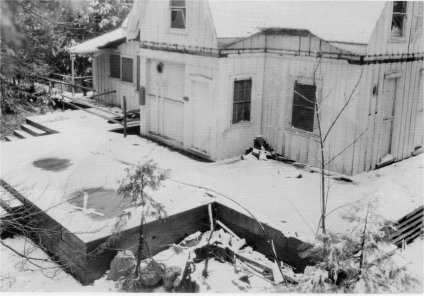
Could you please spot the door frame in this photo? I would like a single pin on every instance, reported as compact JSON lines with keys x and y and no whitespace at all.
{"x":395,"y":76}
{"x":208,"y":81}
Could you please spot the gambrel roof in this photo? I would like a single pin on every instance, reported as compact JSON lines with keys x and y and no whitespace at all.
{"x":347,"y":25}
{"x":333,"y":21}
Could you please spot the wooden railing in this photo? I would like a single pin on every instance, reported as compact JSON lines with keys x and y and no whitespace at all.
{"x":86,"y":104}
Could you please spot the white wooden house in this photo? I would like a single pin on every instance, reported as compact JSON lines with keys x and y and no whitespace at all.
{"x":208,"y":76}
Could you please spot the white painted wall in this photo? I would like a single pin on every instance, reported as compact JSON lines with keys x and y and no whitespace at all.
{"x":234,"y":139}
{"x":412,"y":42}
{"x":155,"y":25}
{"x":104,"y":83}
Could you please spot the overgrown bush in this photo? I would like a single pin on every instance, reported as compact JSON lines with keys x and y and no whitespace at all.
{"x":359,"y":261}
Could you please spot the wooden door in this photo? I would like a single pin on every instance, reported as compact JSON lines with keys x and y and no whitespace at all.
{"x":388,"y":112}
{"x":166,"y":105}
{"x":200,"y":101}
{"x":419,"y":125}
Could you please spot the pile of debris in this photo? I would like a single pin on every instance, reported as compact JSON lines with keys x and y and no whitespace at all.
{"x":261,"y":150}
{"x":194,"y":264}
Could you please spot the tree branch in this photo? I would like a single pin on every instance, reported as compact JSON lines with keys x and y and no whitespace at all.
{"x":344,"y":106}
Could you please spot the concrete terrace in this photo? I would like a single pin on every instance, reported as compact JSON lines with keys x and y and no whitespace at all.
{"x":96,"y":158}
{"x":52,"y":171}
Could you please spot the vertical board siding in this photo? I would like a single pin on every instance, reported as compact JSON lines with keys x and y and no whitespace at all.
{"x":234,"y":139}
{"x":380,"y":42}
{"x":155,"y":26}
{"x":338,"y":79}
{"x":106,"y":83}
{"x":360,"y":121}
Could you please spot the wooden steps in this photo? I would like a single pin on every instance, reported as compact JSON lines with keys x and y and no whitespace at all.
{"x":28,"y":130}
{"x":11,"y":138}
{"x":36,"y":132}
{"x":22,"y":134}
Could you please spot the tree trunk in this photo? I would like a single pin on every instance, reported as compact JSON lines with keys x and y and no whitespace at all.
{"x":140,"y":247}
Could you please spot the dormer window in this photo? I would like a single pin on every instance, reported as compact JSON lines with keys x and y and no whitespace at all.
{"x":178,"y":14}
{"x":398,"y":19}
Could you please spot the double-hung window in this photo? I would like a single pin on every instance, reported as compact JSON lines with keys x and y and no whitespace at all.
{"x":398,"y":19}
{"x":303,"y":110}
{"x":242,"y":100}
{"x":115,"y":65}
{"x":127,"y":69}
{"x":178,"y":14}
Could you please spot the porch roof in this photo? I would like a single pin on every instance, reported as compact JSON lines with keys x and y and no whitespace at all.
{"x":102,"y":41}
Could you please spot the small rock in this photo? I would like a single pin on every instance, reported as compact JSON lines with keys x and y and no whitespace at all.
{"x":152,"y":273}
{"x":171,"y":274}
{"x":176,"y":282}
{"x":122,"y":265}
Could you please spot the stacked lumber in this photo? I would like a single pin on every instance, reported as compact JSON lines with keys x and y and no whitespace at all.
{"x":408,"y":227}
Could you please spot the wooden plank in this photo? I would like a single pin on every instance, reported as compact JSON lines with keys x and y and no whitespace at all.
{"x":373,"y":70}
{"x":382,"y":68}
{"x":158,"y":234}
{"x":405,"y":109}
{"x":244,"y":226}
{"x":406,"y":235}
{"x":403,"y":137}
{"x":415,"y":84}
{"x":227,"y":229}
{"x":399,"y":109}
{"x":365,"y":91}
{"x":409,"y":215}
{"x":405,"y":227}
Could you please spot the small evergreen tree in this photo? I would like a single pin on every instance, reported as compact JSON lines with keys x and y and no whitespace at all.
{"x":139,"y":178}
{"x":357,"y":261}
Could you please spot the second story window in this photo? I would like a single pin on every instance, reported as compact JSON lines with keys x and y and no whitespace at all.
{"x":178,"y":14}
{"x":398,"y":19}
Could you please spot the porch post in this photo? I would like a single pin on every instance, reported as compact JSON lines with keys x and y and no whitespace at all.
{"x":73,"y":73}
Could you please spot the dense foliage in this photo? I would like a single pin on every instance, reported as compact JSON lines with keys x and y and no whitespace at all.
{"x":359,"y":261}
{"x":37,"y":35}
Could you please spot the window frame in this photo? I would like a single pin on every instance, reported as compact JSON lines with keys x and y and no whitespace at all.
{"x":132,"y":68}
{"x":171,"y":9}
{"x":296,"y":82}
{"x":290,"y":98}
{"x":232,"y":85}
{"x":404,"y":15}
{"x":110,"y":65}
